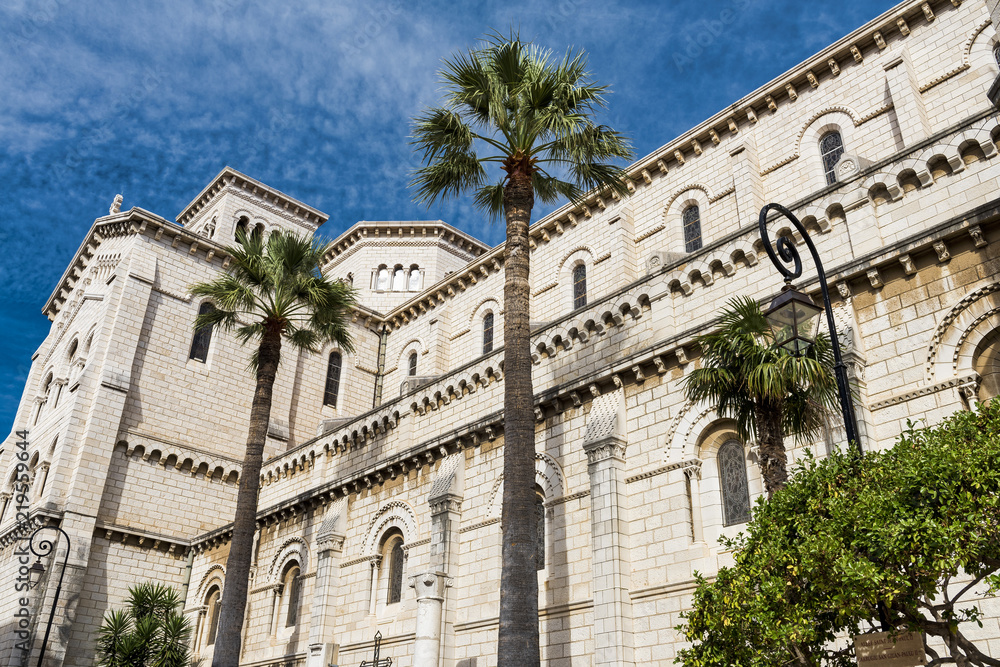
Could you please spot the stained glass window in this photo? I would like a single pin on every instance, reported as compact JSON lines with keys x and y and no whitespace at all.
{"x":293,"y":589}
{"x":539,"y":531}
{"x":692,"y":228}
{"x":213,"y":615}
{"x":831,"y":147}
{"x":413,"y":364}
{"x":395,"y":572}
{"x":488,"y":333}
{"x":332,"y":389}
{"x":733,"y":479}
{"x":202,"y":336}
{"x":579,"y":286}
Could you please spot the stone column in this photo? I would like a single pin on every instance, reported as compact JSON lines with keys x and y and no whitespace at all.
{"x":610,"y":560}
{"x":693,"y":472}
{"x":430,"y":589}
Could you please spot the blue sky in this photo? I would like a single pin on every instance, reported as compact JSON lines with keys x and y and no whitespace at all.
{"x":152,"y":99}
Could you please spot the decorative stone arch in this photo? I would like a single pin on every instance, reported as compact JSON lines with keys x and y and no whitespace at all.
{"x":581,"y":255}
{"x":394,"y":514}
{"x":682,"y":436}
{"x":413,"y":345}
{"x":548,"y":476}
{"x":951,"y":348}
{"x":294,"y":548}
{"x":253,"y":221}
{"x":348,"y":361}
{"x":486,"y":305}
{"x":977,"y":50}
{"x":693,"y":194}
{"x":710,"y":518}
{"x":215,"y":575}
{"x":841,"y":119}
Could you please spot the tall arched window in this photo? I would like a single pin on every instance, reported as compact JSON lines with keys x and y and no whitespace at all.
{"x":392,"y":555}
{"x":579,"y":286}
{"x":488,"y":333}
{"x":242,"y":227}
{"x":212,"y":601}
{"x":414,"y":278}
{"x":831,"y":147}
{"x":382,"y":282}
{"x":413,"y":364}
{"x":398,"y":279}
{"x":290,"y":594}
{"x":733,"y":481}
{"x":332,"y":389}
{"x":692,"y":228}
{"x":539,"y":529}
{"x":202,"y":336}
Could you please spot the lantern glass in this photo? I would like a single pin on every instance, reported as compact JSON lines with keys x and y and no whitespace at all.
{"x":35,"y":573}
{"x":794,"y":320}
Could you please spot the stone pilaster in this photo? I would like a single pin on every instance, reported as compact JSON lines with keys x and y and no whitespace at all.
{"x":435,"y":609}
{"x":322,"y":626}
{"x":610,"y":560}
{"x":911,"y":117}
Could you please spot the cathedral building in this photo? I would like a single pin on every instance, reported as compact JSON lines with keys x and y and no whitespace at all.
{"x":380,"y":500}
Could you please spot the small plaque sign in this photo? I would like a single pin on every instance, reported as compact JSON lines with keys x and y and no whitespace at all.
{"x":878,"y":650}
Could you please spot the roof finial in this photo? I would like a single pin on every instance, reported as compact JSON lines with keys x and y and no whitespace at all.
{"x":116,"y":205}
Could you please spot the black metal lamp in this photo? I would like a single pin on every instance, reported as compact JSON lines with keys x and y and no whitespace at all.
{"x":35,"y":573}
{"x":794,"y":320}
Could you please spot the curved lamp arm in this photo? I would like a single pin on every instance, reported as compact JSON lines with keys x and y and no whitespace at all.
{"x":786,"y":254}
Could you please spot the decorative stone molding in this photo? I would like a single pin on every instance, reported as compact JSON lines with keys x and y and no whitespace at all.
{"x":607,"y":448}
{"x":971,"y":378}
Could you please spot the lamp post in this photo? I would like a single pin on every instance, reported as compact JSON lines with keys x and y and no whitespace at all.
{"x":794,"y":317}
{"x":46,"y":547}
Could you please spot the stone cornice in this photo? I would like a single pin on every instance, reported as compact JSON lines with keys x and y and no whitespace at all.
{"x":367,"y":231}
{"x":229,"y":177}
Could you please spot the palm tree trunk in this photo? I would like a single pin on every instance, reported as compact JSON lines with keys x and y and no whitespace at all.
{"x":771,"y":436}
{"x":518,"y":640}
{"x":234,"y":598}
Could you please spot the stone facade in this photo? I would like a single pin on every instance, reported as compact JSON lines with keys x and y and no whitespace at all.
{"x":134,"y":448}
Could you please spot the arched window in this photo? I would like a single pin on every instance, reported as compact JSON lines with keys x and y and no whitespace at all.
{"x":332,"y":389}
{"x":382,"y":282}
{"x":413,"y":364}
{"x":488,"y":333}
{"x":539,"y":529}
{"x":350,"y":279}
{"x":72,"y":349}
{"x":831,"y":147}
{"x":392,"y":558}
{"x":398,"y":279}
{"x":202,"y":336}
{"x":290,"y":594}
{"x":414,"y":278}
{"x":212,"y":601}
{"x":733,"y":481}
{"x":996,"y":54}
{"x":579,"y":286}
{"x":692,"y":228}
{"x":242,"y":227}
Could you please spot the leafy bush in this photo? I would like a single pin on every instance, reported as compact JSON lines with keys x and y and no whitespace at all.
{"x":898,"y":539}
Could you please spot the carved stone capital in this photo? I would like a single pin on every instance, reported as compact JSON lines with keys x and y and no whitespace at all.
{"x":692,"y":469}
{"x":448,"y":502}
{"x":330,"y":542}
{"x":430,"y":585}
{"x":611,"y":447}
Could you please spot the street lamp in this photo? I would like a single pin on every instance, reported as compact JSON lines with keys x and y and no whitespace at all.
{"x":793,"y":316}
{"x":46,"y":547}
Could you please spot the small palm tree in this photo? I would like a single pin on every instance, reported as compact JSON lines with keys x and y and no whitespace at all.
{"x":513,"y":105}
{"x":274,"y":292}
{"x":148,"y":633}
{"x":768,"y":392}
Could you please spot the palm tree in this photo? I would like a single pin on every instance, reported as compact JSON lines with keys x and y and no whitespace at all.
{"x":273,"y":292}
{"x":766,"y":390}
{"x":514,"y":105}
{"x":148,"y":633}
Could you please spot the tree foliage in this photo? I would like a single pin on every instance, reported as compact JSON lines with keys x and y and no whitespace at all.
{"x":768,"y":392}
{"x":907,"y":538}
{"x":149,"y":632}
